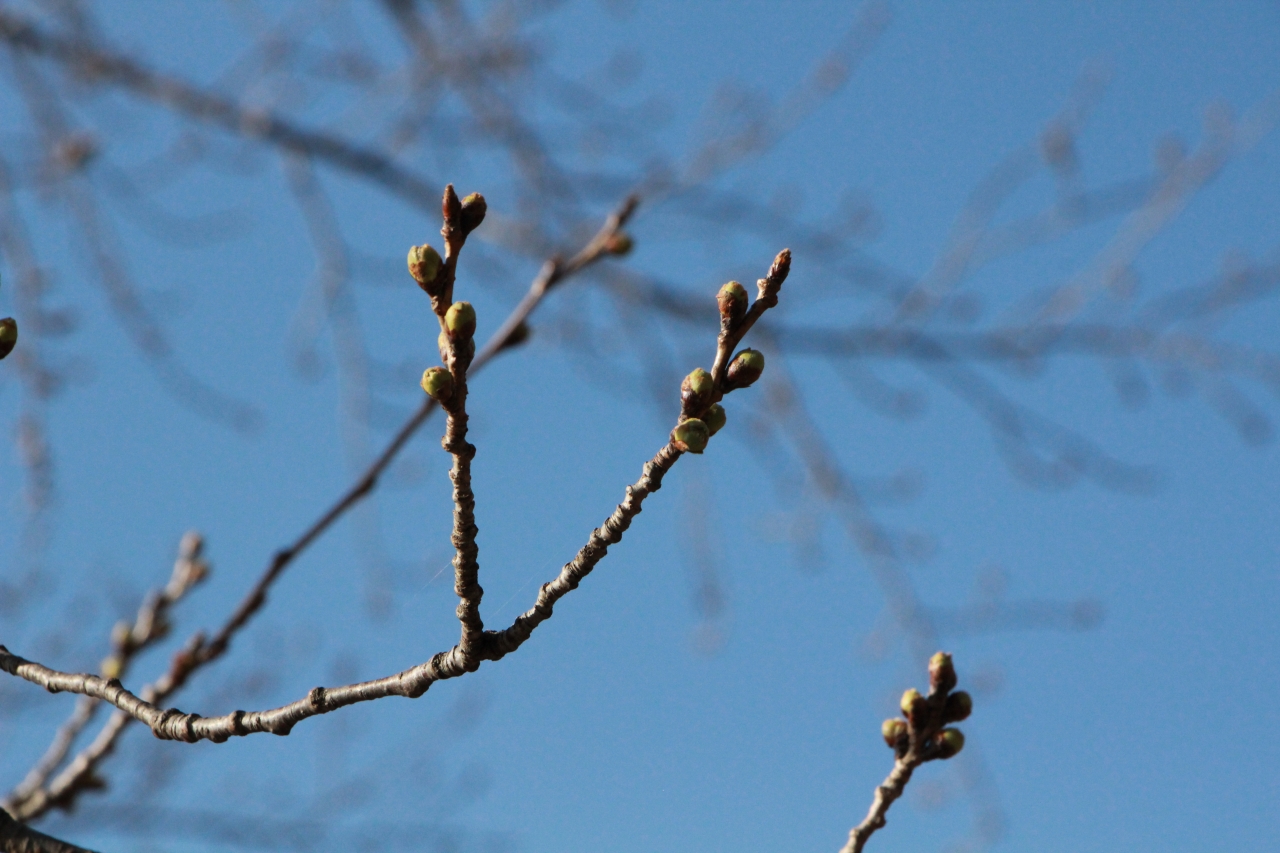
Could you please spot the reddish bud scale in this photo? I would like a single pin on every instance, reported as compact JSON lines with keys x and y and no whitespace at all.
{"x":619,"y":243}
{"x":450,"y":207}
{"x":460,"y":321}
{"x":715,"y":418}
{"x":746,"y":367}
{"x":696,"y":391}
{"x":949,"y":742}
{"x":893,"y":731}
{"x":959,"y":706}
{"x":472,"y":212}
{"x":942,"y":673}
{"x":732,"y":300}
{"x":8,"y":335}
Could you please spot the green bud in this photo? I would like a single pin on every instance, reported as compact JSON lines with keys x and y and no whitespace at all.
{"x":438,"y":383}
{"x":913,"y":705}
{"x":121,"y":634}
{"x":110,"y":667}
{"x":424,"y":265}
{"x":893,"y":730}
{"x":942,"y":674}
{"x":460,"y":321}
{"x":950,"y":742}
{"x":8,"y":335}
{"x":474,"y":207}
{"x":959,"y":706}
{"x":690,"y":436}
{"x":619,"y":243}
{"x":715,"y":418}
{"x":696,"y":390}
{"x":745,"y":368}
{"x":732,"y":300}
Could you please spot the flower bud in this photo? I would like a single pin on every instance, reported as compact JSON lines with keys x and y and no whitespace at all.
{"x":959,"y":706}
{"x":732,"y":300}
{"x":474,"y":207}
{"x":914,"y":706}
{"x":690,"y":436}
{"x":714,"y":418}
{"x":950,"y":742}
{"x":8,"y":335}
{"x":460,"y":321}
{"x":942,"y":674}
{"x":745,"y":368}
{"x":619,"y":243}
{"x":438,"y":383}
{"x":696,"y":390}
{"x":424,"y":265}
{"x":122,"y":634}
{"x":893,"y":730}
{"x":518,"y":335}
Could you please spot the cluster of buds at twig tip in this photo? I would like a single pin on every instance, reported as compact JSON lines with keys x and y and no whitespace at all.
{"x":920,"y":734}
{"x":424,"y":266}
{"x":8,"y":335}
{"x":461,"y":216}
{"x":745,"y":369}
{"x":438,"y":383}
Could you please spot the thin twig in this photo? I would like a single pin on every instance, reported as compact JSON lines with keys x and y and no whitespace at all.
{"x":19,"y":838}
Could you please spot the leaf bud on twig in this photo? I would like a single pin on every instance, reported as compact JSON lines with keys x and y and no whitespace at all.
{"x":474,"y":207}
{"x":619,"y":243}
{"x":424,"y":266}
{"x":460,"y":321}
{"x":745,"y":368}
{"x":893,"y":730}
{"x":438,"y":383}
{"x":942,"y":673}
{"x":8,"y":335}
{"x":732,"y":300}
{"x":696,"y":390}
{"x":715,"y":418}
{"x":451,"y":208}
{"x":690,"y":436}
{"x":950,"y":742}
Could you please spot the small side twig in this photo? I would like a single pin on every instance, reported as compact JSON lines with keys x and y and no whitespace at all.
{"x":127,"y":640}
{"x":918,"y":736}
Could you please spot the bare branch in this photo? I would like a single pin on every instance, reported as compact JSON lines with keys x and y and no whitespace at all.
{"x":19,"y":838}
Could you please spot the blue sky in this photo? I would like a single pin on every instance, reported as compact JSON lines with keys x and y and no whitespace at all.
{"x":612,"y":729}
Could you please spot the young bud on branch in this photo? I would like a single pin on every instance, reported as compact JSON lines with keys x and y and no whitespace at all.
{"x":451,"y":208}
{"x":959,"y":706}
{"x":460,"y":321}
{"x":732,"y":300}
{"x":696,"y":391}
{"x":715,"y":418}
{"x":914,"y":707}
{"x":690,"y":436}
{"x":424,"y":266}
{"x":745,"y":368}
{"x":472,"y":212}
{"x":942,"y":674}
{"x":438,"y":383}
{"x":950,"y":742}
{"x":893,"y":731}
{"x":8,"y":335}
{"x":619,"y":243}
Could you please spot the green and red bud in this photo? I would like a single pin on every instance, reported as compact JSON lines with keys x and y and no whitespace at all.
{"x":893,"y":731}
{"x":914,"y":706}
{"x":942,"y":673}
{"x":474,"y":207}
{"x":690,"y":436}
{"x":732,"y":300}
{"x":438,"y":383}
{"x":715,"y":418}
{"x":460,"y":321}
{"x":959,"y":706}
{"x":745,"y":369}
{"x":696,"y":390}
{"x":949,"y":742}
{"x":424,"y":266}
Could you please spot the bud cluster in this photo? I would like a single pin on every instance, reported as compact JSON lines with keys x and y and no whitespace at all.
{"x":919,"y":735}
